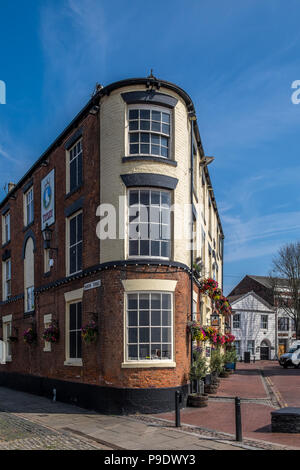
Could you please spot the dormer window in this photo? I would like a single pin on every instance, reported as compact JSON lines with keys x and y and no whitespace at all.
{"x":149,"y":131}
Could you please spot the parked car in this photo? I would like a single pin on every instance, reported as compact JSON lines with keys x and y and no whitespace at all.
{"x":290,"y":359}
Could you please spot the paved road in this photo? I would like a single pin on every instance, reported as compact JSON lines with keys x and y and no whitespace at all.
{"x":285,"y":381}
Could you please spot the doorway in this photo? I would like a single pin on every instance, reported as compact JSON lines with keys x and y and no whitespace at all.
{"x":264,"y":351}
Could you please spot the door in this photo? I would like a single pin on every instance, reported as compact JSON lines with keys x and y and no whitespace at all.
{"x":281,"y":349}
{"x":264,"y":353}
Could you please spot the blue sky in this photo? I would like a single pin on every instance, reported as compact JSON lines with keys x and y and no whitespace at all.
{"x":237,"y":60}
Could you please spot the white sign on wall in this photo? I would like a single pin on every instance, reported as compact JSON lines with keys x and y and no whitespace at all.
{"x":48,"y":199}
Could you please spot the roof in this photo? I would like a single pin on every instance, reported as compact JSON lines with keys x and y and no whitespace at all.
{"x":266,"y":282}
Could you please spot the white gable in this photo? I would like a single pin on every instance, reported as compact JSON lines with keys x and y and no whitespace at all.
{"x":251,"y":303}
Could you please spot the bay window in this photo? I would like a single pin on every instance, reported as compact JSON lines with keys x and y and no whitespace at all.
{"x":149,"y":326}
{"x":149,"y":131}
{"x":149,"y":223}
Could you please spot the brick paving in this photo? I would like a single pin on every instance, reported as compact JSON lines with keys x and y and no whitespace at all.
{"x":261,"y":387}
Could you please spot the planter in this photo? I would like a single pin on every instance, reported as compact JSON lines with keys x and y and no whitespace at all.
{"x":197,"y":400}
{"x":211,"y":389}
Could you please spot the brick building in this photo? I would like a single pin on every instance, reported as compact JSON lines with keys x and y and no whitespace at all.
{"x":135,"y":144}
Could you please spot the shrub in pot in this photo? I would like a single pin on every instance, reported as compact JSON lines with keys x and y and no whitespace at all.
{"x":197,"y":373}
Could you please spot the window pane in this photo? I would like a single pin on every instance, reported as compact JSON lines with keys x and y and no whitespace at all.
{"x":145,"y":148}
{"x":166,"y":301}
{"x":73,"y":172}
{"x":145,"y":125}
{"x":155,"y":150}
{"x":155,"y":139}
{"x":134,"y":148}
{"x":133,"y":125}
{"x":133,"y":335}
{"x":166,"y":351}
{"x":144,"y":318}
{"x":166,"y":335}
{"x":144,"y":335}
{"x":144,"y":351}
{"x":133,"y":247}
{"x":165,"y":129}
{"x":155,"y":246}
{"x":155,"y":317}
{"x":134,"y":137}
{"x":144,"y":114}
{"x":166,"y":118}
{"x":133,"y":114}
{"x":73,"y":231}
{"x":166,"y":317}
{"x":73,"y":344}
{"x":144,"y":301}
{"x":155,"y":335}
{"x":155,"y":301}
{"x":79,"y":340}
{"x":132,"y":352}
{"x":155,"y":351}
{"x":144,"y":247}
{"x":155,"y":197}
{"x":132,"y":301}
{"x":144,"y":198}
{"x":156,"y":116}
{"x":133,"y":197}
{"x":132,"y":318}
{"x":145,"y":137}
{"x":155,"y":126}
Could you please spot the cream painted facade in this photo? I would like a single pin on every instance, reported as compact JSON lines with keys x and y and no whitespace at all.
{"x":114,"y":146}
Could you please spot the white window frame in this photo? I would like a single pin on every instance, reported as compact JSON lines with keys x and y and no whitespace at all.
{"x":251,"y":349}
{"x":264,"y":321}
{"x":68,"y":246}
{"x":29,"y":299}
{"x":148,"y":362}
{"x":234,"y":327}
{"x":160,"y":206}
{"x":161,"y":109}
{"x":29,"y":207}
{"x":7,"y":325}
{"x":6,"y":228}
{"x":68,"y":165}
{"x":47,"y":323}
{"x":7,"y":279}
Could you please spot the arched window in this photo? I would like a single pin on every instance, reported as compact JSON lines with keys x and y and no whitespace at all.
{"x":29,"y":275}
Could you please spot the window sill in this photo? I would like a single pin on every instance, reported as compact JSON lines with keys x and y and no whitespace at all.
{"x":149,"y":158}
{"x":73,"y":362}
{"x":148,"y":364}
{"x":74,"y":190}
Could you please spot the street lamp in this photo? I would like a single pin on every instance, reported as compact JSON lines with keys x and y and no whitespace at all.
{"x":47,"y":237}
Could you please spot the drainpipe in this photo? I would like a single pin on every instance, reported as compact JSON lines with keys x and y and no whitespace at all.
{"x":192,"y":118}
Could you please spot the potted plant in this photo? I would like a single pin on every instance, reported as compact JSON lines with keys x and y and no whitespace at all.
{"x":197,"y":373}
{"x":89,"y":332}
{"x":230,"y":359}
{"x":51,"y":333}
{"x":216,"y":367}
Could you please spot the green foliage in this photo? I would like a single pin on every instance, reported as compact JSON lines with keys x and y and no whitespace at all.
{"x":199,"y":366}
{"x":230,"y":356}
{"x":216,"y":361}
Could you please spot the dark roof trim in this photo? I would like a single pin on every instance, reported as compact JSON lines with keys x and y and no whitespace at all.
{"x":73,"y":139}
{"x":28,"y":186}
{"x":6,"y":209}
{"x":149,"y":97}
{"x":149,"y":180}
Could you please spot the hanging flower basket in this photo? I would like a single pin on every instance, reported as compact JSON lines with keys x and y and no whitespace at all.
{"x":51,"y":334}
{"x":197,"y":331}
{"x":208,"y":287}
{"x":223,"y":305}
{"x":89,"y":332}
{"x":30,"y":336}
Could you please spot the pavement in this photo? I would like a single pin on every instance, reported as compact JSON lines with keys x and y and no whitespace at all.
{"x":263,"y":387}
{"x":32,"y":422}
{"x":29,"y":422}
